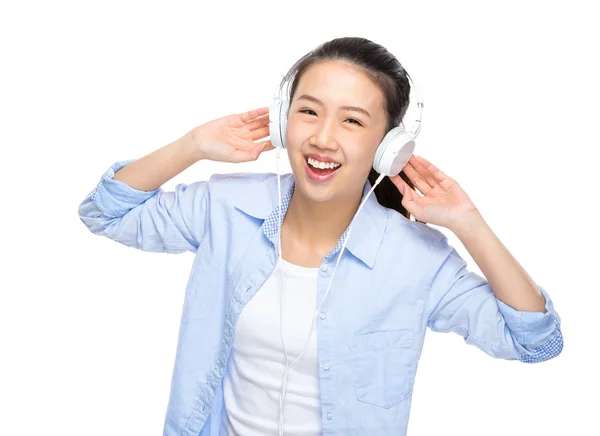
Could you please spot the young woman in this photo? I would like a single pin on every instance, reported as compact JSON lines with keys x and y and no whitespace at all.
{"x":396,"y":278}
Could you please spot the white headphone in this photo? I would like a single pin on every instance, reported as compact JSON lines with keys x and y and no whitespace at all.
{"x":392,"y":154}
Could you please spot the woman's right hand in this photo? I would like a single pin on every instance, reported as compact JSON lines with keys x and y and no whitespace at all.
{"x":231,"y":138}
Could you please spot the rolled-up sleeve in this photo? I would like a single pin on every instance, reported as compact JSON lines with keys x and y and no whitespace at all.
{"x":159,"y":221}
{"x":463,"y":302}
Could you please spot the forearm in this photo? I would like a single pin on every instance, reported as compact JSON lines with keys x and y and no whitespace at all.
{"x":509,"y":281}
{"x":153,"y":170}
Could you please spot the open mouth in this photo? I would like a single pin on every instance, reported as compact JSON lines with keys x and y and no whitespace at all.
{"x":321,"y":171}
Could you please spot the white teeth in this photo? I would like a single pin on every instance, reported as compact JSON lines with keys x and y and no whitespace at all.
{"x":322,"y":165}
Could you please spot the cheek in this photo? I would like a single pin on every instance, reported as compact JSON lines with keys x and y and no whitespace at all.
{"x":293,"y":135}
{"x":358,"y":155}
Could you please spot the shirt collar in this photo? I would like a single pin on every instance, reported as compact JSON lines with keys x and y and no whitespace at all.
{"x":367,"y":230}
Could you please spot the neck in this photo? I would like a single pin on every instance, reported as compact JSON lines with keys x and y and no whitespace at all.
{"x":319,"y":225}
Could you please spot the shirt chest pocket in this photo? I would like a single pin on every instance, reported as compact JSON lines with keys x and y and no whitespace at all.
{"x":383,"y":366}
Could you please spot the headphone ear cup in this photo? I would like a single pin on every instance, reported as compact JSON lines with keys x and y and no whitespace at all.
{"x":283,"y":120}
{"x":394,"y":152}
{"x":278,"y":122}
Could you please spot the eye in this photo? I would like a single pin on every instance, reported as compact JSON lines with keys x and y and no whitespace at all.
{"x":306,"y":111}
{"x":355,"y":121}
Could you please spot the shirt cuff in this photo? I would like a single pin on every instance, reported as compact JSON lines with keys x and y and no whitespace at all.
{"x":115,"y":198}
{"x":531,"y":328}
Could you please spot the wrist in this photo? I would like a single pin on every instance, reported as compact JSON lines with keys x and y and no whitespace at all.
{"x":192,"y":144}
{"x":469,"y":224}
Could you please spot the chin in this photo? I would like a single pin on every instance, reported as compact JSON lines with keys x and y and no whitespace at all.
{"x":318,"y":195}
{"x":319,"y":191}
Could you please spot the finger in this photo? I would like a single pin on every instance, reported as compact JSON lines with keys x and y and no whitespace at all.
{"x":249,"y":154}
{"x":400,"y":183}
{"x":420,"y":183}
{"x":268,"y":146}
{"x":263,"y":132}
{"x":258,"y":122}
{"x":438,"y":175}
{"x":250,"y":115}
{"x":408,"y":193}
{"x":423,"y":172}
{"x":261,"y":147}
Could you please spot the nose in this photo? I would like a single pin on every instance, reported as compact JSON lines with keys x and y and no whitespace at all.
{"x":324,"y":136}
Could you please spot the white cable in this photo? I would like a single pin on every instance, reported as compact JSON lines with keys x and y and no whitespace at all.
{"x":280,"y":257}
{"x":415,"y":130}
{"x":288,"y":367}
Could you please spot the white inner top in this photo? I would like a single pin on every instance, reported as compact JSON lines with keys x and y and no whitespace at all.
{"x":253,"y":380}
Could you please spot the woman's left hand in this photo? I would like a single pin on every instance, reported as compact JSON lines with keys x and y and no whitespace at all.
{"x":443,"y":202}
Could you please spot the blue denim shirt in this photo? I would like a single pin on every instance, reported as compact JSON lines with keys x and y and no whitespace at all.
{"x":396,"y":279}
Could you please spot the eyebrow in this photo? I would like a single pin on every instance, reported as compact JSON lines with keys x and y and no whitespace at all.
{"x":347,"y":108}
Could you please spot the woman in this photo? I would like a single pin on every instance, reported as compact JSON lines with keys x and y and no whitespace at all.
{"x":396,"y":277}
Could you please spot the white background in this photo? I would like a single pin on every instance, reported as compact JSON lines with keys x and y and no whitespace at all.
{"x":88,"y":327}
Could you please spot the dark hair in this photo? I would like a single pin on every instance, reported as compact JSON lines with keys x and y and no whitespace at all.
{"x":387,"y":73}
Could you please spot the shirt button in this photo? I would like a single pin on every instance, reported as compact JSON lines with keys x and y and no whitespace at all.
{"x":326,"y":366}
{"x":322,"y":315}
{"x":323,"y":267}
{"x":329,"y":416}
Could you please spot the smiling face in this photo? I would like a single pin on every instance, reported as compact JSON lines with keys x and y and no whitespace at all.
{"x":337,"y":115}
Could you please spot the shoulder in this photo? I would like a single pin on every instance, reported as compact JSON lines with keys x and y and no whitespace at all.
{"x":231,"y":179}
{"x":232,"y":185}
{"x":422,"y":247}
{"x":253,"y":193}
{"x":422,"y":234}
